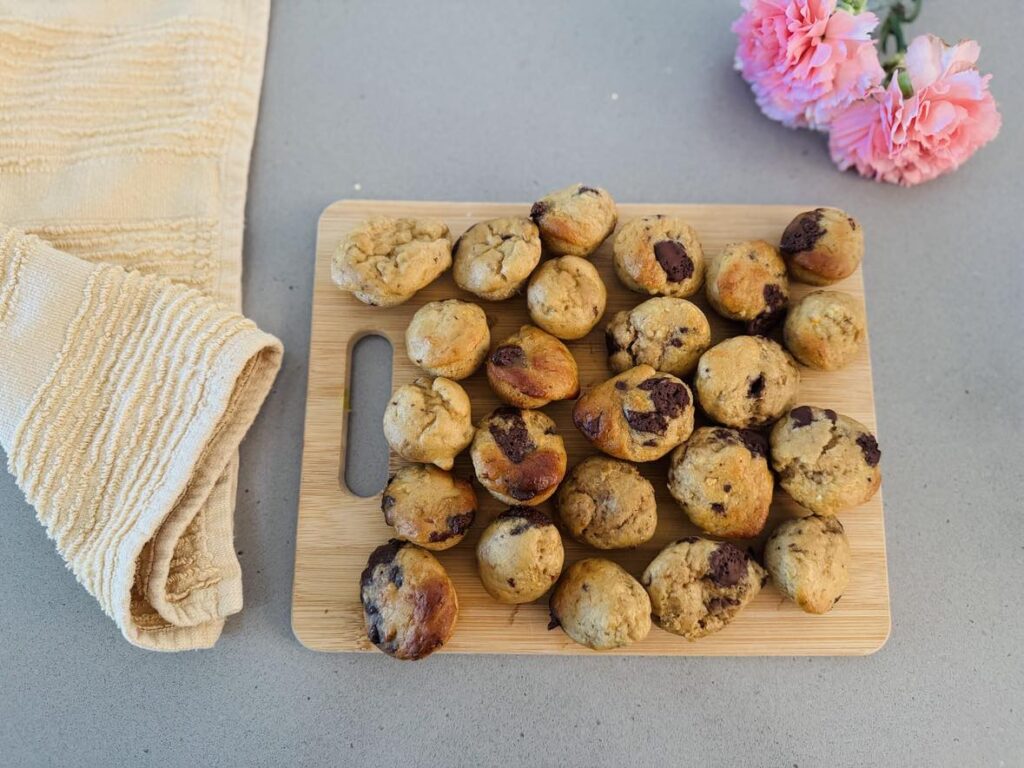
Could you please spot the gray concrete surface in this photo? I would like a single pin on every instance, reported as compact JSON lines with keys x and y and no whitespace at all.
{"x":502,"y":101}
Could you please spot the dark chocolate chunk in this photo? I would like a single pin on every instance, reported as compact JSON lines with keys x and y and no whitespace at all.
{"x":588,"y":424}
{"x":526,"y":517}
{"x":387,"y":503}
{"x":508,"y":429}
{"x":610,"y":343}
{"x":727,"y":487}
{"x":801,"y":416}
{"x":382,"y":555}
{"x":672,"y":257}
{"x":457,"y":525}
{"x":755,"y":442}
{"x":621,"y":386}
{"x":869,"y":447}
{"x":538,"y":210}
{"x":646,"y":421}
{"x":395,"y":575}
{"x":756,"y":388}
{"x":803,"y":232}
{"x":728,"y":565}
{"x":511,"y":583}
{"x":587,"y":191}
{"x":718,"y":508}
{"x":650,"y":443}
{"x":773,"y":296}
{"x":509,"y":355}
{"x":687,"y":540}
{"x":676,"y":343}
{"x":669,"y":397}
{"x":831,"y":415}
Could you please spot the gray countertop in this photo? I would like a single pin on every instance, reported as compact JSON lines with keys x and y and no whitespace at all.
{"x":502,"y":101}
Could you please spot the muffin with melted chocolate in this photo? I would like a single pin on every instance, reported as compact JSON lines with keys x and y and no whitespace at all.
{"x":518,"y":456}
{"x":746,"y":381}
{"x":600,"y":605}
{"x":532,"y":368}
{"x":665,"y":333}
{"x":659,"y":255}
{"x":409,"y":603}
{"x":748,"y":282}
{"x":519,"y":555}
{"x":698,"y":586}
{"x":574,"y":221}
{"x":720,"y":478}
{"x":826,"y":461}
{"x":822,"y":246}
{"x":639,"y":415}
{"x":428,"y":506}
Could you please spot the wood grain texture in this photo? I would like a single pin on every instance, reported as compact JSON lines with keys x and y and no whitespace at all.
{"x":337,"y":529}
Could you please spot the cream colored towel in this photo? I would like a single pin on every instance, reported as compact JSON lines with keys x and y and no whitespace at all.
{"x":125,"y":134}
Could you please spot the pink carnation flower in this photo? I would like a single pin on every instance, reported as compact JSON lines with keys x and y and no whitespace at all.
{"x":804,"y":59}
{"x":907,"y":140}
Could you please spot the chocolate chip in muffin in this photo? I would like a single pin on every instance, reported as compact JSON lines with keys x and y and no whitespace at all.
{"x":869,"y":447}
{"x":538,"y":210}
{"x":509,"y":432}
{"x":457,"y":525}
{"x":528,"y":517}
{"x":802,"y":416}
{"x":756,"y":388}
{"x":718,"y":508}
{"x":803,"y":232}
{"x":387,"y":503}
{"x":672,"y":257}
{"x":727,"y":564}
{"x":646,"y":421}
{"x":621,"y":386}
{"x":669,"y":397}
{"x":755,"y":442}
{"x":509,"y":356}
{"x":385,"y":554}
{"x":587,"y":191}
{"x":611,"y":344}
{"x":588,"y":425}
{"x":831,"y":415}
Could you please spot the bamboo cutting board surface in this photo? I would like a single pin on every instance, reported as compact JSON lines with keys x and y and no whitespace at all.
{"x":337,"y":530}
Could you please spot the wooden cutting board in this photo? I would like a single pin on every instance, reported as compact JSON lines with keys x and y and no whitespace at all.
{"x":337,"y":529}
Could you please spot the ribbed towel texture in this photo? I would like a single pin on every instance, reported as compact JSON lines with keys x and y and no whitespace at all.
{"x":127,"y":376}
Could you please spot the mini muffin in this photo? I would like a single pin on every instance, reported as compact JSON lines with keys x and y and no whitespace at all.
{"x":822,"y":246}
{"x":384,"y":261}
{"x":532,"y":368}
{"x":697,"y":586}
{"x":448,"y":338}
{"x":660,"y":255}
{"x":519,"y":555}
{"x":494,"y":258}
{"x":748,"y":282}
{"x":409,"y":603}
{"x":720,"y":478}
{"x":825,"y":329}
{"x":608,"y":504}
{"x":639,"y":415}
{"x":428,"y":506}
{"x":599,"y":605}
{"x":566,"y":297}
{"x":429,"y":421}
{"x":518,"y":456}
{"x":809,"y":561}
{"x":574,"y":221}
{"x":826,"y":461}
{"x":746,"y":381}
{"x":665,"y":333}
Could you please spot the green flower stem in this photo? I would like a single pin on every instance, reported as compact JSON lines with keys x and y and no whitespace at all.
{"x":891,"y":30}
